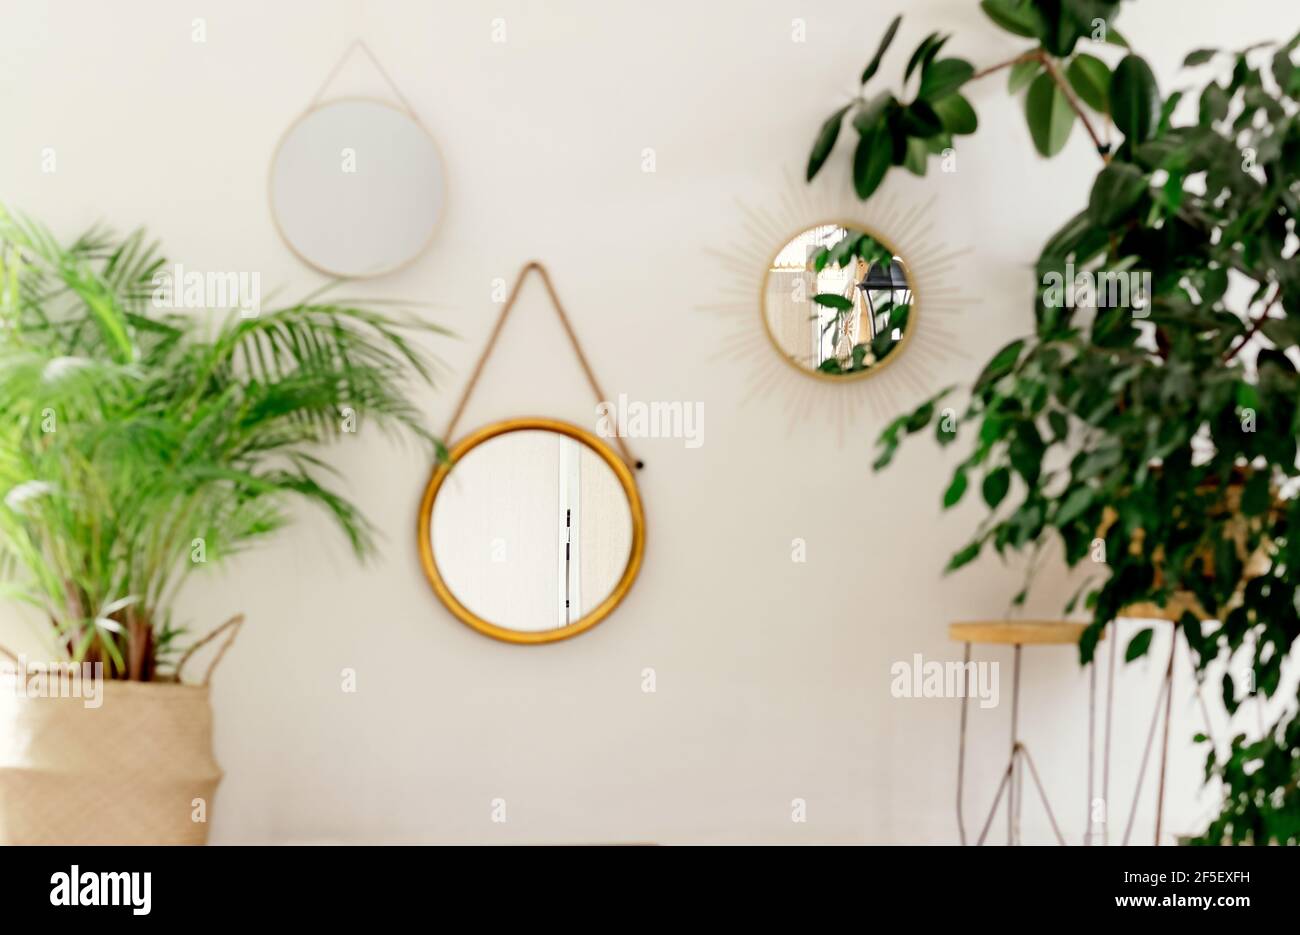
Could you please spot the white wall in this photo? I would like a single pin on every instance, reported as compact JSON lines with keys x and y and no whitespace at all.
{"x":773,"y":677}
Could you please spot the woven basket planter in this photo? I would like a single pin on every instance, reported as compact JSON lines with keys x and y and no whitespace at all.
{"x":126,"y":772}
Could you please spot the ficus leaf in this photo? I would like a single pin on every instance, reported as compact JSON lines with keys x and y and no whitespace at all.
{"x":871,"y":160}
{"x":1213,"y":104}
{"x":826,"y":138}
{"x":1049,"y":115}
{"x":1015,"y":16}
{"x":1134,"y":99}
{"x":944,"y":77}
{"x":920,"y":119}
{"x":1115,"y":37}
{"x":1073,"y":506}
{"x":926,"y":51}
{"x":918,"y":158}
{"x":874,"y":64}
{"x":1117,"y":189}
{"x":1001,"y":363}
{"x":1138,"y":646}
{"x":956,"y":114}
{"x":995,"y":487}
{"x":870,"y":114}
{"x":964,"y":557}
{"x":832,"y":300}
{"x":1090,"y":78}
{"x":1022,"y":73}
{"x":956,"y":489}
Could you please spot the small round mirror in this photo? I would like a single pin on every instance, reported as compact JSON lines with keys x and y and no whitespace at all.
{"x":357,"y":188}
{"x":838,"y":301}
{"x":533,"y":531}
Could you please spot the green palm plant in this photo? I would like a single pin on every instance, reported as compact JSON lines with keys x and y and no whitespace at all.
{"x":139,"y":444}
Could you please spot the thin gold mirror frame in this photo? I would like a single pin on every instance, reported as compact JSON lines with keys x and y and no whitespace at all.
{"x":605,"y":607}
{"x":270,"y":194}
{"x":902,"y":341}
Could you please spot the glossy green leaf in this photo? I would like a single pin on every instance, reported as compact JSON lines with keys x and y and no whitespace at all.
{"x":1116,"y":190}
{"x":1073,"y":506}
{"x":952,"y":496}
{"x":826,"y":138}
{"x":1139,"y":645}
{"x":832,"y":300}
{"x":920,"y":119}
{"x":870,"y":162}
{"x":956,"y":114}
{"x":1214,"y":104}
{"x":1049,"y":115}
{"x":964,"y":557}
{"x":874,"y":64}
{"x":918,"y":157}
{"x":995,"y":487}
{"x":870,"y":114}
{"x":944,"y":77}
{"x":1090,"y":78}
{"x":1015,"y":16}
{"x":1134,"y":99}
{"x":1022,"y":73}
{"x":1001,"y":364}
{"x":924,"y":53}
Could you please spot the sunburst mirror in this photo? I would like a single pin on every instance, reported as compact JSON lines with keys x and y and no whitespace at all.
{"x":837,"y":302}
{"x":823,"y":291}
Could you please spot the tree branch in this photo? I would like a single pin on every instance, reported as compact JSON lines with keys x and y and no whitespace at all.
{"x":1018,"y":60}
{"x":1255,"y":325}
{"x":1054,"y":72}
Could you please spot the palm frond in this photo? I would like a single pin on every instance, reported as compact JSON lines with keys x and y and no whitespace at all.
{"x":136,"y":437}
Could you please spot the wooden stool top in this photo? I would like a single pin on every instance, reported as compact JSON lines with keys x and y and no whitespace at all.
{"x":1017,"y":631}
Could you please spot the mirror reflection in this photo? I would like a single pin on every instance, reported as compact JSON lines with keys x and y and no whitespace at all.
{"x":531,"y":530}
{"x":837,"y":301}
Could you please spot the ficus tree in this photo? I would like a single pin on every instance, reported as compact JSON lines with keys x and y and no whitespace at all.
{"x":1147,"y":425}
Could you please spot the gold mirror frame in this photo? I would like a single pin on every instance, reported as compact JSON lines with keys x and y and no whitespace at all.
{"x":270,"y":192}
{"x":443,"y":470}
{"x":902,"y":342}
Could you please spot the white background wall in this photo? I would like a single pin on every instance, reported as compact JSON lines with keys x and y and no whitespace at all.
{"x":773,"y":677}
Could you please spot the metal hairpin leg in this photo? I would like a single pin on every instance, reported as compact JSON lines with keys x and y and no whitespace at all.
{"x":1110,"y":710}
{"x":1166,"y":694}
{"x":1090,"y":837}
{"x":1012,"y":777}
{"x":961,"y":751}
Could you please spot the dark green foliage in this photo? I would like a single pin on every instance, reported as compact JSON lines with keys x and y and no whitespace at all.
{"x":1150,"y":434}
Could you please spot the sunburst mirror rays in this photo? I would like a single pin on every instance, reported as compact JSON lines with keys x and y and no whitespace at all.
{"x":938,"y":307}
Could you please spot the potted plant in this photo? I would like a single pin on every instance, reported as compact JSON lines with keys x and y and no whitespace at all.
{"x":142,"y":442}
{"x":1164,"y":415}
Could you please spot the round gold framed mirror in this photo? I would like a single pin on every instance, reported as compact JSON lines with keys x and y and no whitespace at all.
{"x":838,"y":302}
{"x":357,"y":188}
{"x":532,"y":531}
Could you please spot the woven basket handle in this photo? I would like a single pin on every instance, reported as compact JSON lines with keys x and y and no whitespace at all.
{"x":233,"y":625}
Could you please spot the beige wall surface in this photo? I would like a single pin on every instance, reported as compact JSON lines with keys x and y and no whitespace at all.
{"x":771,"y":676}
